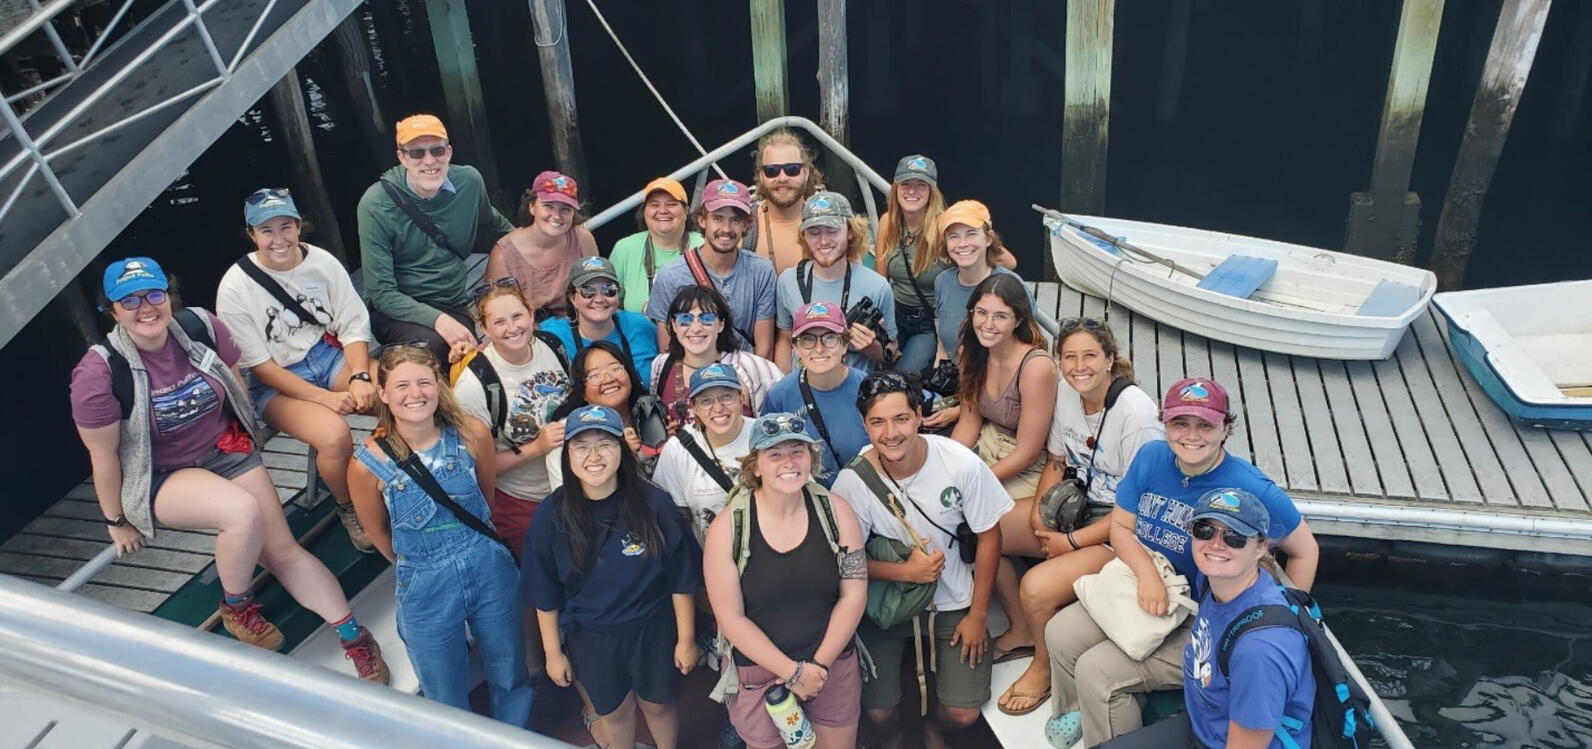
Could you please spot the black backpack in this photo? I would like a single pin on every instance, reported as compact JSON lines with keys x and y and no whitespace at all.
{"x":497,"y":402}
{"x":1341,"y":716}
{"x":197,"y":328}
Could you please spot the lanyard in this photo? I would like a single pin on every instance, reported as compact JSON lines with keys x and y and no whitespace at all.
{"x":805,"y":284}
{"x":817,"y":417}
{"x":624,"y":342}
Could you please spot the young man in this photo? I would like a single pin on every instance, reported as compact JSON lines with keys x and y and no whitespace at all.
{"x":936,"y":485}
{"x":415,"y":286}
{"x":823,"y":391}
{"x":593,"y":298}
{"x":746,"y":280}
{"x":833,"y":240}
{"x":786,"y":177}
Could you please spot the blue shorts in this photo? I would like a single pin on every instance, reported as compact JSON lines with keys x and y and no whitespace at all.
{"x":318,"y":367}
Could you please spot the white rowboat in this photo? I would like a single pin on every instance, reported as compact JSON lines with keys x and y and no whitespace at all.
{"x":1266,"y":295}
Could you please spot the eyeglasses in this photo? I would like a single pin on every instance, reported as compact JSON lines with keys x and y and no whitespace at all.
{"x":264,"y":194}
{"x":615,"y":371}
{"x":591,"y":290}
{"x":726,"y":400}
{"x":773,"y":426}
{"x":582,"y":450}
{"x":979,"y":313}
{"x":684,"y":319}
{"x":481,"y":289}
{"x":883,"y":382}
{"x":1087,"y":323}
{"x":420,"y":153}
{"x":1206,"y":530}
{"x":134,"y":301}
{"x":807,"y":341}
{"x":792,"y":169}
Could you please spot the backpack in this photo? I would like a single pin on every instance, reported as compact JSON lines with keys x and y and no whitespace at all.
{"x":497,"y":403}
{"x":193,"y":324}
{"x":1341,"y":716}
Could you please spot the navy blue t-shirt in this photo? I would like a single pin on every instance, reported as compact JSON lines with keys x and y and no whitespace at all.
{"x":626,"y":585}
{"x":841,"y":418}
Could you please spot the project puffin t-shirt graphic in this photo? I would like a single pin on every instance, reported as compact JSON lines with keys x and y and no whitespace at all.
{"x":182,"y":405}
{"x":533,"y":404}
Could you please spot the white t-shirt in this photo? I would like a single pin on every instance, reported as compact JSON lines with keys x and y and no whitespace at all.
{"x":954,"y":485}
{"x":267,"y":332}
{"x":533,"y":390}
{"x":1131,"y":422}
{"x":690,"y":484}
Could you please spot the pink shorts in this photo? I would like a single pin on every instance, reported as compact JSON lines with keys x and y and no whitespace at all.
{"x":838,"y":704}
{"x":511,"y":517}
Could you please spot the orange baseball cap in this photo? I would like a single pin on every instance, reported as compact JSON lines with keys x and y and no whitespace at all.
{"x":675,"y":189}
{"x":969,"y":212}
{"x":420,"y":125}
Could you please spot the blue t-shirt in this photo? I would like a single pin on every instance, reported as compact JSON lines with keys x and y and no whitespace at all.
{"x":1269,"y":671}
{"x":640,"y":338}
{"x":749,"y":290}
{"x":626,"y":584}
{"x":1155,"y":491}
{"x":841,"y":417}
{"x":864,"y":283}
{"x":950,"y":306}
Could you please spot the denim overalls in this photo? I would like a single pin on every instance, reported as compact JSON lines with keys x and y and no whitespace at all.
{"x":450,"y":575}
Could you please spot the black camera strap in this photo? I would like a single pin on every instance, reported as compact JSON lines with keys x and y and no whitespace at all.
{"x":1112,"y":393}
{"x":906,"y":262}
{"x":418,"y":471}
{"x":804,"y":284}
{"x":714,"y":469}
{"x":817,"y":418}
{"x":420,"y":219}
{"x":259,"y":276}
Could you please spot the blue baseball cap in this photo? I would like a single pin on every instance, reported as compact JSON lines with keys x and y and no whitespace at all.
{"x":715,"y":375}
{"x":131,"y":275}
{"x":1235,"y":508}
{"x":593,"y":417}
{"x":267,"y":203}
{"x":771,"y":429}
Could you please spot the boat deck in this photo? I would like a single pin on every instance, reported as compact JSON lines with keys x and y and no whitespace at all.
{"x":1402,"y":437}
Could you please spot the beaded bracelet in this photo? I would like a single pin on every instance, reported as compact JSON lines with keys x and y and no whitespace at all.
{"x":795,"y":675}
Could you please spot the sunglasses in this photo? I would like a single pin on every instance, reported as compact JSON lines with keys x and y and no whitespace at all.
{"x":480,"y":290}
{"x":264,"y":194}
{"x":792,"y":169}
{"x":1087,"y":323}
{"x":1206,"y":530}
{"x":883,"y":382}
{"x":776,"y":425}
{"x":420,"y":153}
{"x":807,"y":341}
{"x":134,"y":301}
{"x":684,"y":319}
{"x":591,"y":290}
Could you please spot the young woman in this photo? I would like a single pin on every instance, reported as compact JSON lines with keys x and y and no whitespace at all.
{"x":549,"y":241}
{"x":720,"y":437}
{"x":180,"y":449}
{"x":902,"y":252}
{"x":593,"y":297}
{"x":701,"y":334}
{"x":663,"y":220}
{"x":305,"y":374}
{"x":823,"y":391}
{"x":832,"y":241}
{"x":611,"y":569}
{"x":533,"y":384}
{"x":790,"y":608}
{"x":1090,"y":676}
{"x":1096,"y":443}
{"x":602,"y":376}
{"x":450,"y":574}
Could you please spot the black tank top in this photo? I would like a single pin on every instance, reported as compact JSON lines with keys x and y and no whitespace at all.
{"x":790,"y":596}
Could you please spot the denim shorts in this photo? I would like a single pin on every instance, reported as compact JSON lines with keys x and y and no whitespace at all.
{"x":318,"y":367}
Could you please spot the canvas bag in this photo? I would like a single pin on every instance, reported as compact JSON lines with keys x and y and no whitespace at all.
{"x":1111,"y":597}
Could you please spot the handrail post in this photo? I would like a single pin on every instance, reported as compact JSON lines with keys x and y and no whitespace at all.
{"x":10,"y":116}
{"x":204,"y":36}
{"x":61,"y":51}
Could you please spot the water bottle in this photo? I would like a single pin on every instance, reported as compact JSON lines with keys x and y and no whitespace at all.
{"x":788,"y":718}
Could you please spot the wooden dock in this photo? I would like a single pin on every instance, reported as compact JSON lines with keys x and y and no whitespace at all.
{"x":1407,"y":439}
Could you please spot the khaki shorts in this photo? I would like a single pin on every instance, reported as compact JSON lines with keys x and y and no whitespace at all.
{"x":956,"y":684}
{"x":994,"y":444}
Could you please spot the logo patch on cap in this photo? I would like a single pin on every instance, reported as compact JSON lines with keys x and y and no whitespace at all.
{"x":729,"y":188}
{"x":715,"y":370}
{"x":591,"y":263}
{"x":821,"y":204}
{"x":817,"y":310}
{"x":918,"y":163}
{"x":591,"y":415}
{"x":1194,"y":392}
{"x":1225,"y":502}
{"x":134,"y":269}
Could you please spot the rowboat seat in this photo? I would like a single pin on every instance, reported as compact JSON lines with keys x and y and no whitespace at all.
{"x":1389,"y":299}
{"x":1239,"y":276}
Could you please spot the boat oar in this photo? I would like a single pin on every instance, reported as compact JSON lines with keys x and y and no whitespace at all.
{"x":1126,"y":247}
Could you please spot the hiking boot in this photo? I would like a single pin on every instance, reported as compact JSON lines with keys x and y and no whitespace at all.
{"x":366,"y":655}
{"x":247,"y":625}
{"x":356,"y":532}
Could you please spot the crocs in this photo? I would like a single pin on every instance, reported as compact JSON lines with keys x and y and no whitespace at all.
{"x":1065,"y":730}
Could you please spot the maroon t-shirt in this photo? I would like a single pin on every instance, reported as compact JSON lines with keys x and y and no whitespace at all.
{"x":188,"y":410}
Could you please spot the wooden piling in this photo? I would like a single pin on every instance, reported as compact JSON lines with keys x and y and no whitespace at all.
{"x":834,"y":89}
{"x":1086,"y":116}
{"x":1509,"y":58}
{"x":768,"y":59}
{"x":1173,"y":61}
{"x":309,"y":189}
{"x":73,"y":304}
{"x":550,"y":29}
{"x":461,"y":89}
{"x":353,"y":52}
{"x":1377,"y":224}
{"x":1580,"y":70}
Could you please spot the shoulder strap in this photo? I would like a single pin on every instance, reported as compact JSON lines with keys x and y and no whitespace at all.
{"x":870,"y":478}
{"x":1112,"y":393}
{"x":195,"y":326}
{"x":708,"y":464}
{"x":906,"y":262}
{"x":496,"y":403}
{"x":1258,"y":617}
{"x":192,"y":323}
{"x":557,"y":346}
{"x":418,"y":471}
{"x":420,"y":219}
{"x":817,"y":417}
{"x":699,"y":271}
{"x":819,"y":496}
{"x":738,"y":504}
{"x":804,"y":280}
{"x":258,"y":274}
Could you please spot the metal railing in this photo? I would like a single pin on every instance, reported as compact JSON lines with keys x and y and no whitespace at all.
{"x":209,"y":691}
{"x":36,"y":149}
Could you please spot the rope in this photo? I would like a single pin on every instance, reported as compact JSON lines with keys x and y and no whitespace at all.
{"x":648,"y":81}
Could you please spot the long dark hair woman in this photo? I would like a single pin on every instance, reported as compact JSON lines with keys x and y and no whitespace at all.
{"x":611,"y":568}
{"x":703,"y":333}
{"x":601,"y":375}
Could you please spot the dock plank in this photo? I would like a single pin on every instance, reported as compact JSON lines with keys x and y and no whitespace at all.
{"x":1358,"y":461}
{"x":1478,"y":439}
{"x":1391,"y":466}
{"x":1169,"y":355}
{"x":1196,"y":358}
{"x":1578,"y":460}
{"x":1452,"y":461}
{"x":1319,"y":427}
{"x":1406,"y":422}
{"x":1141,"y":331}
{"x":1224,"y":369}
{"x":1556,"y":476}
{"x":1291,"y":433}
{"x":1258,"y":408}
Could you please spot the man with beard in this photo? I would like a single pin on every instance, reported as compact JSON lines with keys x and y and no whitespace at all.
{"x":745,"y":280}
{"x":786,"y":177}
{"x":833,"y":241}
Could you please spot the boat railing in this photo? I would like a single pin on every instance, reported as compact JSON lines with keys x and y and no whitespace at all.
{"x":208,"y":691}
{"x":40,"y":148}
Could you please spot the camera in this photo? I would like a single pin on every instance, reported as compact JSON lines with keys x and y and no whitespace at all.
{"x":942,"y":378}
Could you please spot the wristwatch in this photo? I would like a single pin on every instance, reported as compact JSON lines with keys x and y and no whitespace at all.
{"x":361,"y":376}
{"x":120,"y":521}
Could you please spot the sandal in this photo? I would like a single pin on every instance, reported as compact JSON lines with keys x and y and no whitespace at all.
{"x":1021,"y":651}
{"x":1011,"y":692}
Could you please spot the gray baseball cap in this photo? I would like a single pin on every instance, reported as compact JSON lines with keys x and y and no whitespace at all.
{"x":827,"y":209}
{"x":916,"y":166}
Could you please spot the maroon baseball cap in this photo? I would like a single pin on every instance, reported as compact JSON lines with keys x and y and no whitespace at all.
{"x":1195,"y":396}
{"x":825,"y":315}
{"x":552,"y":187}
{"x":727,"y":193}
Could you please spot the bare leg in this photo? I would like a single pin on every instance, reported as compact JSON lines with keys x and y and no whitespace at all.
{"x":1008,"y":592}
{"x":1017,"y":535}
{"x":1044,"y":591}
{"x":323,"y":429}
{"x":663,"y":721}
{"x":885,"y":726}
{"x":304,"y":577}
{"x":619,"y":726}
{"x":947,"y":719}
{"x":196,"y":499}
{"x":835,"y":737}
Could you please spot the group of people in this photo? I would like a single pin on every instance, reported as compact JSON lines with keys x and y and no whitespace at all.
{"x":711,"y":446}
